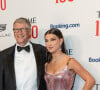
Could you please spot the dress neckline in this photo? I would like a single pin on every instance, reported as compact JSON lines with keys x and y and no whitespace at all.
{"x":57,"y":73}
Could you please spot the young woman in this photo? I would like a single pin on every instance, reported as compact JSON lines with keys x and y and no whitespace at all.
{"x":60,"y":68}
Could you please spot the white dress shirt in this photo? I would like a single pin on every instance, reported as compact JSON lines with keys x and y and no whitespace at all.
{"x":25,"y":69}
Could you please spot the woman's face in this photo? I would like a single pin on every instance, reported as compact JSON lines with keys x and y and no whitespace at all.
{"x":53,"y":43}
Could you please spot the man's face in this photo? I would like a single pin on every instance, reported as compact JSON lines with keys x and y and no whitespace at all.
{"x":21,"y":33}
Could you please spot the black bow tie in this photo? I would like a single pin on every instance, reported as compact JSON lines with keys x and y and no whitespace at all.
{"x":27,"y":48}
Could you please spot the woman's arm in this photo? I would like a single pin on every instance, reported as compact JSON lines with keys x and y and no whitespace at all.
{"x":83,"y":73}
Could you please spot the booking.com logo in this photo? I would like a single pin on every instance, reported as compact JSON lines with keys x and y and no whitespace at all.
{"x":94,"y":59}
{"x":66,"y":26}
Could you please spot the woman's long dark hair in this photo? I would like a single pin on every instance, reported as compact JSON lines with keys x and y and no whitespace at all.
{"x":58,"y":33}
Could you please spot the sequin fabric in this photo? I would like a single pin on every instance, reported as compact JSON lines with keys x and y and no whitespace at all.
{"x":62,"y":80}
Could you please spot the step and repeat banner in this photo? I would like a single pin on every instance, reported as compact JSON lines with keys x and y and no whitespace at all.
{"x":77,"y":19}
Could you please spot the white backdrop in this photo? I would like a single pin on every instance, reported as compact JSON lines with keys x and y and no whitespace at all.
{"x":77,"y":19}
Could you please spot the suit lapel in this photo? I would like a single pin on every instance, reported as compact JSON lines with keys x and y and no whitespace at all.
{"x":35,"y":50}
{"x":10,"y":60}
{"x":36,"y":53}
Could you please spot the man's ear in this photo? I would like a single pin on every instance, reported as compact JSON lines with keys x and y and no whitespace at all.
{"x":30,"y":34}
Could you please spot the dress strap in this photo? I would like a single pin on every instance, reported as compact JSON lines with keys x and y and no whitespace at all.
{"x":69,"y":60}
{"x":46,"y":66}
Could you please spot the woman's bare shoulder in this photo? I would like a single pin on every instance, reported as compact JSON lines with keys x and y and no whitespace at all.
{"x":72,"y":63}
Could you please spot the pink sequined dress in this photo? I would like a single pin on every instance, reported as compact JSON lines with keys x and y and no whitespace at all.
{"x":62,"y":80}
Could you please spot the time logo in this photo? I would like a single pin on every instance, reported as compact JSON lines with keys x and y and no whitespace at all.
{"x":3,"y":5}
{"x":63,"y":1}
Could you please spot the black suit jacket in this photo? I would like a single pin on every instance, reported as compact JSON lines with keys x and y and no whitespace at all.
{"x":7,"y":73}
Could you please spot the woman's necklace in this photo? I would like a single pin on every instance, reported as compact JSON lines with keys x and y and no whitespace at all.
{"x":58,"y":58}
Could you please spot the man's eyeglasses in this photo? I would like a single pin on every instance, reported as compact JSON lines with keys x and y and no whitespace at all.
{"x":20,"y":29}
